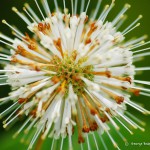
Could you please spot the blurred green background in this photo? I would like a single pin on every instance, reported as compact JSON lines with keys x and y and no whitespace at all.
{"x":138,"y":7}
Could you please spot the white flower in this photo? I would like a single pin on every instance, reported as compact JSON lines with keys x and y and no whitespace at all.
{"x":75,"y":73}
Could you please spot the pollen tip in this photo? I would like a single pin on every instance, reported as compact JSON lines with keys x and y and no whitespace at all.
{"x":146,"y":113}
{"x":143,"y":123}
{"x":131,"y":133}
{"x":14,"y":9}
{"x":15,"y":135}
{"x":24,"y":8}
{"x":138,"y":24}
{"x":4,"y":21}
{"x":115,"y":145}
{"x":125,"y":140}
{"x":26,"y":5}
{"x":142,"y":42}
{"x":117,"y":128}
{"x":25,"y":132}
{"x":107,"y":6}
{"x":135,"y":127}
{"x":43,"y":137}
{"x":140,"y":16}
{"x":22,"y":140}
{"x":4,"y":122}
{"x":145,"y":36}
{"x":127,"y":5}
{"x":143,"y":130}
{"x":4,"y":126}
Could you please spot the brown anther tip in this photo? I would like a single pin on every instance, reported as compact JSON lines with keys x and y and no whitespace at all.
{"x":104,"y":119}
{"x":92,"y":24}
{"x":19,"y":47}
{"x":32,"y":46}
{"x":47,"y":26}
{"x":33,"y":113}
{"x":88,"y":41}
{"x":124,"y":88}
{"x":119,"y":99}
{"x":22,"y":100}
{"x":55,"y":79}
{"x":136,"y":92}
{"x":40,"y":26}
{"x":128,"y":79}
{"x":107,"y":110}
{"x":76,"y":78}
{"x":81,"y":139}
{"x":85,"y":129}
{"x":14,"y":59}
{"x":93,"y":111}
{"x":108,"y":74}
{"x":86,"y":19}
{"x":37,"y":68}
{"x":93,"y":126}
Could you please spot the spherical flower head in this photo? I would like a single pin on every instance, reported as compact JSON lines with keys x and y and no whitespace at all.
{"x":75,"y":74}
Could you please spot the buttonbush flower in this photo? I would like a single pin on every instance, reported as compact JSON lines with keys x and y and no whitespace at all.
{"x":75,"y":74}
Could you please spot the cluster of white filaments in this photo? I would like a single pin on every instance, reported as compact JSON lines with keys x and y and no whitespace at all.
{"x":75,"y":74}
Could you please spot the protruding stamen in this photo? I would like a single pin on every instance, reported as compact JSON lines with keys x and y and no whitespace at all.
{"x":6,"y":38}
{"x":95,"y":141}
{"x":142,"y":82}
{"x":23,"y":17}
{"x":142,"y":50}
{"x":56,"y":5}
{"x":142,"y":43}
{"x":64,"y":3}
{"x":72,"y":8}
{"x":22,"y":127}
{"x":62,"y":142}
{"x":28,"y":14}
{"x":142,"y":89}
{"x":87,"y":6}
{"x":104,"y":11}
{"x":135,"y":41}
{"x":127,"y":120}
{"x":4,"y":122}
{"x":75,"y":7}
{"x":120,"y":23}
{"x":137,"y":25}
{"x":145,"y":94}
{"x":82,"y":6}
{"x":35,"y":137}
{"x":124,"y":126}
{"x":112,"y":121}
{"x":137,"y":107}
{"x":126,"y":7}
{"x":32,"y":12}
{"x":142,"y":69}
{"x":135,"y":118}
{"x":112,"y":140}
{"x":103,"y":142}
{"x":46,"y":7}
{"x":97,"y":9}
{"x":88,"y":142}
{"x":39,"y":9}
{"x":5,"y":22}
{"x":132,"y":24}
{"x":18,"y":114}
{"x":1,"y":41}
{"x":109,"y":9}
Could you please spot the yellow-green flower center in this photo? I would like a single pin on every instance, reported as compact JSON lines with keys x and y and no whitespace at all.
{"x":69,"y":71}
